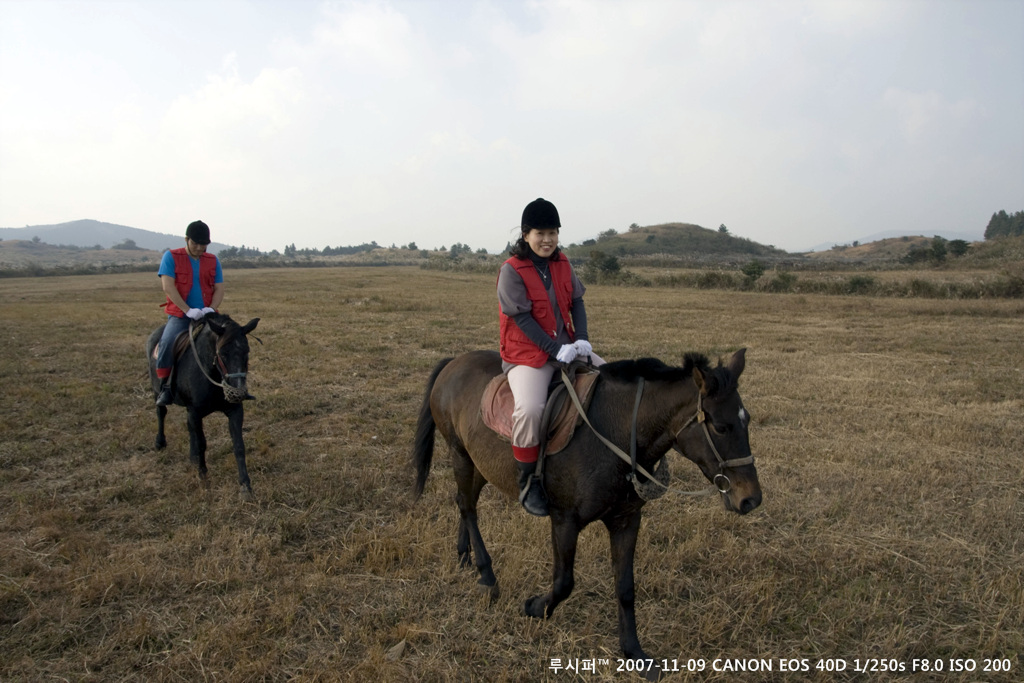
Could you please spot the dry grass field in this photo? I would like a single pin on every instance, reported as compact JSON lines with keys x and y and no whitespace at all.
{"x":887,"y":431}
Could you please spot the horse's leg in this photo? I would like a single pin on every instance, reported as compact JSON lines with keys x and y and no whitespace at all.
{"x":161,"y":440}
{"x":470,"y":482}
{"x":463,"y":544}
{"x":197,"y":444}
{"x":236,"y":415}
{"x":565,"y":532}
{"x":622,"y":531}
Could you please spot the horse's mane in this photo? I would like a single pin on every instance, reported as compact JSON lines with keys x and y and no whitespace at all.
{"x":654,"y":370}
{"x":225,"y":321}
{"x":219,"y":318}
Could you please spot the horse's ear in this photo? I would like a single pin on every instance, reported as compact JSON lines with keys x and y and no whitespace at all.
{"x":250,"y":326}
{"x":737,"y":363}
{"x":698,"y":379}
{"x":217,"y":328}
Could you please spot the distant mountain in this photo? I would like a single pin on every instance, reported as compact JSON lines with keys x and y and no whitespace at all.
{"x":678,"y":239}
{"x":89,"y":233}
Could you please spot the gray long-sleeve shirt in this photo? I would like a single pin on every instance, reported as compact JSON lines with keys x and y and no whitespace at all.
{"x":516,"y":304}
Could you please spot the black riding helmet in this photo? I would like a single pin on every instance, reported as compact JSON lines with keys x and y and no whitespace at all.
{"x":540,"y":214}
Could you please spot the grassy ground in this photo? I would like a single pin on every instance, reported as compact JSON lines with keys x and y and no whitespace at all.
{"x":887,"y":432}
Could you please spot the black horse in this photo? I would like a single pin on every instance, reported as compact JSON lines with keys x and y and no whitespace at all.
{"x":209,"y":377}
{"x":695,"y":409}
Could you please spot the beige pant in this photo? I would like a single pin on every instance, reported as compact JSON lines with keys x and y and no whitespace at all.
{"x":530,"y":390}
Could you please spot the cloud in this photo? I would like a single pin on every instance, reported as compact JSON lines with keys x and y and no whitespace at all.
{"x":926,"y":116}
{"x":358,"y":40}
{"x":436,"y":122}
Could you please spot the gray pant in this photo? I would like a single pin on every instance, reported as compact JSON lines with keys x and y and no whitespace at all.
{"x":530,"y":390}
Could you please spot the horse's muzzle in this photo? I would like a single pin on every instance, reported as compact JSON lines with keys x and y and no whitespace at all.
{"x":236,"y":394}
{"x":744,"y":505}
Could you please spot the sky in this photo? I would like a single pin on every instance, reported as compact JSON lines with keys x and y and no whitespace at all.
{"x":793,"y":123}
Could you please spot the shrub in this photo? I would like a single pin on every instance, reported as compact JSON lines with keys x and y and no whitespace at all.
{"x":924,"y":288}
{"x":715,"y":279}
{"x":782,"y":282}
{"x":752,"y":272}
{"x":860,"y":284}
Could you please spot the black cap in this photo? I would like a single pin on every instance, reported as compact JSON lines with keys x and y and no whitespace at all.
{"x":540,"y":214}
{"x":198,"y":232}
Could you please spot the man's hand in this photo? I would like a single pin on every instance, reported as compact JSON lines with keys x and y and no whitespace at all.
{"x":195,"y":314}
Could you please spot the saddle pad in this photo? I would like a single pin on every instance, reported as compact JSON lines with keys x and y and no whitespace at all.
{"x":497,"y":404}
{"x":181,"y":342}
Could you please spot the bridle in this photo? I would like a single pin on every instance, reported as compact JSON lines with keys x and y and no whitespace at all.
{"x":701,"y":418}
{"x":721,"y":481}
{"x":232,"y":394}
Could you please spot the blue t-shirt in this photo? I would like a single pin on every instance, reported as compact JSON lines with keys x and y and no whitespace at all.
{"x":195,"y":295}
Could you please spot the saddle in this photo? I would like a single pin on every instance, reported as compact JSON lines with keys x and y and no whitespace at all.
{"x":561,"y":416}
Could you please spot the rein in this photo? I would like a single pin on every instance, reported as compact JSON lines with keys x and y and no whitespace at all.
{"x":700,"y":417}
{"x":232,"y":394}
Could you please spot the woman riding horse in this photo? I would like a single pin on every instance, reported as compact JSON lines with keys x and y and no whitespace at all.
{"x":542,"y":320}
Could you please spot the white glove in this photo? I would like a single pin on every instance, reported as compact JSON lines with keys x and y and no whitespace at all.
{"x":566,"y":354}
{"x":583,"y":347}
{"x":208,"y":310}
{"x":195,"y":314}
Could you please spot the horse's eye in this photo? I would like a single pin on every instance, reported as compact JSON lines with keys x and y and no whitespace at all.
{"x":720,"y":428}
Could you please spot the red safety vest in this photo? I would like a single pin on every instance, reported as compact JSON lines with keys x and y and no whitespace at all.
{"x":183,"y":278}
{"x":516,"y":347}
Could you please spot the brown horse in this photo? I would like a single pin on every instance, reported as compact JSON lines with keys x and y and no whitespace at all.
{"x":695,"y":409}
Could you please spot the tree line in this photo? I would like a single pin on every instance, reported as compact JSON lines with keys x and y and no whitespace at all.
{"x":1005,"y":225}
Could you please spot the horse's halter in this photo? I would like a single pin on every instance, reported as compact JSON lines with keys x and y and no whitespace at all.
{"x":231,"y":393}
{"x":720,"y":480}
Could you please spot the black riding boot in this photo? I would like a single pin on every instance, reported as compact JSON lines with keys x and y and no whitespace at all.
{"x":166,"y":396}
{"x":531,"y":491}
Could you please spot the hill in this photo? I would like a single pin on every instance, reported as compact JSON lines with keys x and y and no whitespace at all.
{"x":90,"y":233}
{"x":674,"y":239}
{"x":975,"y":236}
{"x":889,"y":249}
{"x":26,"y":254}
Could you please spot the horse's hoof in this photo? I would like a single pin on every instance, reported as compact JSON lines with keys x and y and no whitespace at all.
{"x":534,"y":607}
{"x":492,"y":593}
{"x":247,"y":495}
{"x":160,"y":444}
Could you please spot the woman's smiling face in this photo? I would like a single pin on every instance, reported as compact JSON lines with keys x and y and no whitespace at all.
{"x":543,"y":241}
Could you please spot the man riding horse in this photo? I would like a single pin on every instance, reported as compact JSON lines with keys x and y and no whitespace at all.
{"x":194,"y":285}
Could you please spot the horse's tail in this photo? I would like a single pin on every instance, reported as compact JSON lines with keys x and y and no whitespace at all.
{"x":423,"y":445}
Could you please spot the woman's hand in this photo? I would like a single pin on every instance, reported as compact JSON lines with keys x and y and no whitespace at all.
{"x":566,"y":354}
{"x":583,"y":348}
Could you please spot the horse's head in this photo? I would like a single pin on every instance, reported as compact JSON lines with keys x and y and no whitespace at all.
{"x":715,"y":438}
{"x":232,"y":355}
